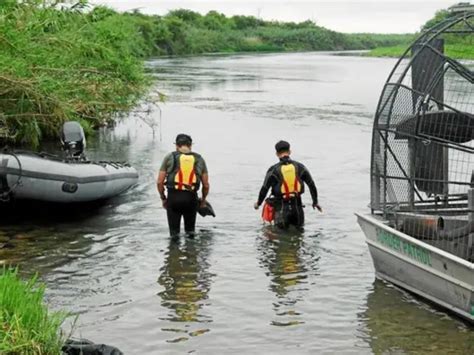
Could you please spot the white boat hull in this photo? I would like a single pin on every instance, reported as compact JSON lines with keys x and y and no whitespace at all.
{"x":418,"y":267}
{"x":32,"y":177}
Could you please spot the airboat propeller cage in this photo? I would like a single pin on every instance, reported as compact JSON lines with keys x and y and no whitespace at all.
{"x":73,"y":138}
{"x":421,"y":231}
{"x":422,"y":143}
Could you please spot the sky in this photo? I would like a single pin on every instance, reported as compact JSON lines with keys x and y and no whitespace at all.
{"x":381,"y":16}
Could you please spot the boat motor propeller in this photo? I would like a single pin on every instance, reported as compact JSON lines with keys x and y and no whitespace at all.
{"x":73,"y":140}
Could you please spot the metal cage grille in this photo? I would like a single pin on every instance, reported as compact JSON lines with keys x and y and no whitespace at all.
{"x":422,"y":168}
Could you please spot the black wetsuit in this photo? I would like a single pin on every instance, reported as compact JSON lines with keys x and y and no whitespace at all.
{"x":181,"y":204}
{"x":288,"y":211}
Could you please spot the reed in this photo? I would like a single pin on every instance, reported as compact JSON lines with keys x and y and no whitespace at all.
{"x":26,"y":325}
{"x":58,"y":65}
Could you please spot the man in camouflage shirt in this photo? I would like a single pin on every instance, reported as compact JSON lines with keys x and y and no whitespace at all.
{"x":183,"y":172}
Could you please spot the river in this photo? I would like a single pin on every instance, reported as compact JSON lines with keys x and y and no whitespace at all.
{"x":238,"y":287}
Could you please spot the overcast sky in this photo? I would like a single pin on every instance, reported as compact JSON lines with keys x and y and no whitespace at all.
{"x":380,"y":16}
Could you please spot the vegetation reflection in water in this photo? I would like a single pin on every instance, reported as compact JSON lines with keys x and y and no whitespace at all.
{"x":395,"y":322}
{"x":42,"y":248}
{"x":187,"y":282}
{"x":280,"y":253}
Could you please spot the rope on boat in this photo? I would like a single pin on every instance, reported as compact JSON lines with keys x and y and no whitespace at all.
{"x":6,"y":195}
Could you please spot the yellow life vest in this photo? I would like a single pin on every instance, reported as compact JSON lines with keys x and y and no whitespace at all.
{"x":290,"y":182}
{"x":185,"y":177}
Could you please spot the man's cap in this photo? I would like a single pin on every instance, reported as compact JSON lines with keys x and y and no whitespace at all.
{"x":183,"y":139}
{"x":282,"y":146}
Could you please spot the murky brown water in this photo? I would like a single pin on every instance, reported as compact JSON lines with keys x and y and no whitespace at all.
{"x":239,"y":287}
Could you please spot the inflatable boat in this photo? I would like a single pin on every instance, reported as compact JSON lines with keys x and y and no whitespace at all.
{"x":68,"y":179}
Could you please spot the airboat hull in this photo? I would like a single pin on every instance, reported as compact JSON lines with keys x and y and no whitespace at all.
{"x":29,"y":176}
{"x":420,"y":268}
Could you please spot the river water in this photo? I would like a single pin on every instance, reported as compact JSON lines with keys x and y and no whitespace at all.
{"x":239,"y":286}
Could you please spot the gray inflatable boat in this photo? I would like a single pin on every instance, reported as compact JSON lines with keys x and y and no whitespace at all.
{"x":68,"y":179}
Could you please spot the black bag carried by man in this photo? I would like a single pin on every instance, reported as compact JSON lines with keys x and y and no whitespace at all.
{"x":206,"y":210}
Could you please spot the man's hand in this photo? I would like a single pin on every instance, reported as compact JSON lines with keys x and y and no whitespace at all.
{"x":202,"y":203}
{"x":256,"y":205}
{"x":164,"y":203}
{"x":318,"y":207}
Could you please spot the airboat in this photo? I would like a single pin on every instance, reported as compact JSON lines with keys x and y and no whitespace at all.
{"x":420,"y":230}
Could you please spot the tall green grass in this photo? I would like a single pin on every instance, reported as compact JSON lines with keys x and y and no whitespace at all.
{"x":61,"y":65}
{"x":26,"y":325}
{"x":86,"y":64}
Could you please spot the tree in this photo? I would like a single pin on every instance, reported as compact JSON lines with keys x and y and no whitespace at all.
{"x":185,"y":15}
{"x":439,"y":17}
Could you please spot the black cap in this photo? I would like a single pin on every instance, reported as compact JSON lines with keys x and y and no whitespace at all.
{"x":282,"y":146}
{"x":183,"y":139}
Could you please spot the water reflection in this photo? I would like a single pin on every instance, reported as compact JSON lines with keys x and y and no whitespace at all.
{"x":187,"y":282}
{"x":395,"y":322}
{"x":109,"y":144}
{"x":42,"y":248}
{"x":281,"y":253}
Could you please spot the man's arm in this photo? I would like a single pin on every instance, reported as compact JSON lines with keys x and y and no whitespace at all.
{"x":160,"y":181}
{"x":307,"y":178}
{"x":205,"y":186}
{"x":160,"y":184}
{"x":202,"y":166}
{"x":267,"y":184}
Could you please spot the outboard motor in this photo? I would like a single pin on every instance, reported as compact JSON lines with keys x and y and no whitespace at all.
{"x":73,"y":140}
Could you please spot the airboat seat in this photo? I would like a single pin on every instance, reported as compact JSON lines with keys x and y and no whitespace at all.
{"x":452,"y":126}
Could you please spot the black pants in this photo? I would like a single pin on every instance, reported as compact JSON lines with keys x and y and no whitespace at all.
{"x":181,"y":204}
{"x":289,"y":212}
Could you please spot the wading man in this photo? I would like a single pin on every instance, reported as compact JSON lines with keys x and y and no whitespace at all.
{"x":286,"y":180}
{"x":182,"y":172}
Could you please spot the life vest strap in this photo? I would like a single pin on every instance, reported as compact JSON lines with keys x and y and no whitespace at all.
{"x":186,"y":187}
{"x":180,"y":179}
{"x":287,"y":190}
{"x":192,"y":177}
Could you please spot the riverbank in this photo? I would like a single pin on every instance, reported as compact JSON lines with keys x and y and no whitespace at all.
{"x":458,"y":51}
{"x":460,"y":46}
{"x":87,"y":64}
{"x":26,"y":325}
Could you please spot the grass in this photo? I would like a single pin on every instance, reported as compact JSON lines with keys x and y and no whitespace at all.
{"x":26,"y":325}
{"x":461,"y":51}
{"x":393,"y":52}
{"x":65,"y":65}
{"x":457,"y":45}
{"x":458,"y":51}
